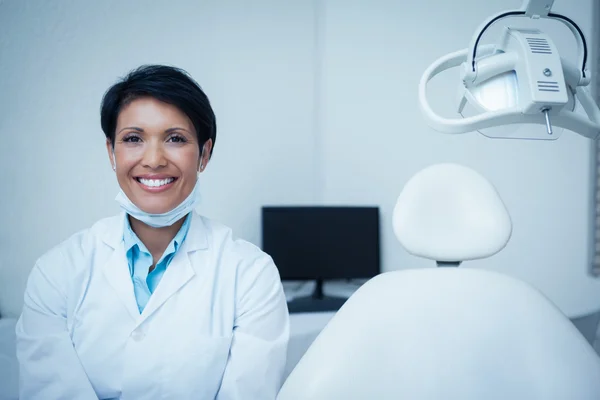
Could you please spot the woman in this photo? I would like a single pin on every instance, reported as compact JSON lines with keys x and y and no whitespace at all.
{"x":157,"y":302}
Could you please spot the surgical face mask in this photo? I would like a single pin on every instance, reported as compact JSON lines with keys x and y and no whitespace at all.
{"x":164,"y":219}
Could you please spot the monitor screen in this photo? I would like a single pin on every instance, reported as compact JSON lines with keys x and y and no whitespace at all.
{"x":322,"y":242}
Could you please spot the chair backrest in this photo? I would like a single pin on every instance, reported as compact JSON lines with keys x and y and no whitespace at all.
{"x":447,"y":333}
{"x":448,"y":212}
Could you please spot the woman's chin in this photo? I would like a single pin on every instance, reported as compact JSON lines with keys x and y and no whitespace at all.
{"x":154,"y":208}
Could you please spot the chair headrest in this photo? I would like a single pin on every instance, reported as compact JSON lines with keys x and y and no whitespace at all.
{"x":448,"y":212}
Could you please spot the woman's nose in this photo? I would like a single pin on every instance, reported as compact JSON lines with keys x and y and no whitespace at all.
{"x":154,"y":156}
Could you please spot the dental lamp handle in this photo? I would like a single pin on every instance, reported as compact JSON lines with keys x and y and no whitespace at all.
{"x":532,"y":9}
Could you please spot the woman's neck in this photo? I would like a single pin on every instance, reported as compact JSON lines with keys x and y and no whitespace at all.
{"x":156,"y":240}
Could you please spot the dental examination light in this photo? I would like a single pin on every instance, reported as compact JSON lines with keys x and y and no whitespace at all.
{"x":520,"y":81}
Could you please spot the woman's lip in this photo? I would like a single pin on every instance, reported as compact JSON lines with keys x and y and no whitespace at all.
{"x":155,"y":189}
{"x":154,"y":176}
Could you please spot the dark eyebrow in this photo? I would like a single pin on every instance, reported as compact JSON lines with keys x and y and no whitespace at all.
{"x":135,"y":128}
{"x":175,"y":129}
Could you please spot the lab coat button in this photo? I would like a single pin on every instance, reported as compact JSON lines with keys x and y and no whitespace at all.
{"x":137,"y":335}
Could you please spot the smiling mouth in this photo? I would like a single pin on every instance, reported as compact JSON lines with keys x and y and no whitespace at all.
{"x":155,"y":183}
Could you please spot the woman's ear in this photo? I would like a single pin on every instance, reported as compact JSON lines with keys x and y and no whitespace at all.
{"x":205,"y":155}
{"x":111,"y":154}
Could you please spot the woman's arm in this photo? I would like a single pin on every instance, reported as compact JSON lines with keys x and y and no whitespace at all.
{"x":260,"y":337}
{"x":48,"y":364}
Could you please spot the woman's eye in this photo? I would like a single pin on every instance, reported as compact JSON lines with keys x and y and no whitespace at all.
{"x":177,"y":139}
{"x":131,"y":139}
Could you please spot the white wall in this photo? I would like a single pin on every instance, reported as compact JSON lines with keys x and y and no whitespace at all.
{"x":375,"y":138}
{"x":254,"y":59}
{"x":355,"y":140}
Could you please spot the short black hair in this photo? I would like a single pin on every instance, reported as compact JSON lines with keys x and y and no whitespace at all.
{"x":164,"y":83}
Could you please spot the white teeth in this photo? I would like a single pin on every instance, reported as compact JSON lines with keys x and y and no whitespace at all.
{"x":155,"y":182}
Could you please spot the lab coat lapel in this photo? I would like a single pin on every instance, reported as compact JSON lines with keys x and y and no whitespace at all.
{"x":180,"y":270}
{"x":176,"y":276}
{"x":116,"y":268}
{"x":116,"y":271}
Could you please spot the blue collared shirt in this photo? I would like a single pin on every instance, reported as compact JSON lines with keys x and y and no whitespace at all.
{"x":140,"y":260}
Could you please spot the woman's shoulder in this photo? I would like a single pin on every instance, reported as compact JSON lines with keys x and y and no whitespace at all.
{"x":253,"y":269}
{"x":223,"y":238}
{"x":73,"y":249}
{"x":241,"y":257}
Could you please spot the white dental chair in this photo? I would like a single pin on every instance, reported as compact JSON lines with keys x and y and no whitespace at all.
{"x":449,"y":332}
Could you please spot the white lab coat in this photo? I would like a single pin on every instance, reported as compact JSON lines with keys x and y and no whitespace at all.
{"x":217,"y":325}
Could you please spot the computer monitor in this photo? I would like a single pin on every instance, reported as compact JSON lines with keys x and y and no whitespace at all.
{"x":320,"y":243}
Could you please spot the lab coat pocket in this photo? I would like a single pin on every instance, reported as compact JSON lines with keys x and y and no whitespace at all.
{"x":198,"y":363}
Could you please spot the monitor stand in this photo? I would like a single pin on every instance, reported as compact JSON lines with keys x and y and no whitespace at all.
{"x":317,"y":302}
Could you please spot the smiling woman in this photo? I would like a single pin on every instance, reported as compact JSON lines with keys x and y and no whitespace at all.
{"x":159,"y":301}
